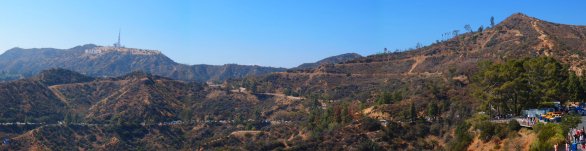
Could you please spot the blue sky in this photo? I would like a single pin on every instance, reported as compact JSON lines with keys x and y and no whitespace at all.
{"x":280,"y":33}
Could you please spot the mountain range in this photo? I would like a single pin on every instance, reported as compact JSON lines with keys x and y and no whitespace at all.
{"x":101,"y":61}
{"x":105,"y":61}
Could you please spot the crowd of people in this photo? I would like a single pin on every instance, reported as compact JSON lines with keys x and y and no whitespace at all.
{"x":576,"y":137}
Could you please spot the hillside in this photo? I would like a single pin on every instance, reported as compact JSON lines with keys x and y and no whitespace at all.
{"x":517,"y":36}
{"x":437,"y":74}
{"x":116,"y":106}
{"x":330,"y":60}
{"x":101,"y":61}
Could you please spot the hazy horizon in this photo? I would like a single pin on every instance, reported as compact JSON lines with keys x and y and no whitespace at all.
{"x":266,"y":33}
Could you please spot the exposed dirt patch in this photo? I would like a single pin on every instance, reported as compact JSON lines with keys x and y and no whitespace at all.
{"x":375,"y":113}
{"x":418,"y":60}
{"x":522,"y":141}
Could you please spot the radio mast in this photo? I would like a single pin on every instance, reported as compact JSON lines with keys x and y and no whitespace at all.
{"x":117,"y":44}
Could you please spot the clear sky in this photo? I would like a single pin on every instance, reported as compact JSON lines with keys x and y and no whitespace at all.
{"x":279,"y":33}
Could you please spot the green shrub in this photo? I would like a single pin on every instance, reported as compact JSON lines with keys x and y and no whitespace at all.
{"x":513,"y":125}
{"x":369,"y":124}
{"x":570,"y":121}
{"x":463,"y":138}
{"x":487,"y":130}
{"x":369,"y":146}
{"x":547,"y":135}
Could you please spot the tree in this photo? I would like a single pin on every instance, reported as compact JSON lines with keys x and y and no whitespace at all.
{"x":574,"y":87}
{"x":468,"y":28}
{"x":547,"y":135}
{"x":432,"y":110}
{"x":67,"y":119}
{"x":513,"y":125}
{"x":346,"y":115}
{"x":287,"y":91}
{"x":517,"y":84}
{"x":418,"y":45}
{"x":570,"y":121}
{"x":413,"y":112}
{"x":384,"y":98}
{"x":491,"y":21}
{"x":480,"y":29}
{"x":462,"y":137}
{"x":77,"y":118}
{"x":455,"y":32}
{"x":186,"y":115}
{"x":397,"y":96}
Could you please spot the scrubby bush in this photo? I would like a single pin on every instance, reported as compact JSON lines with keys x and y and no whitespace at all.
{"x":487,"y":130}
{"x":514,"y":125}
{"x":547,"y":135}
{"x":570,"y":121}
{"x":463,"y":138}
{"x":369,"y":124}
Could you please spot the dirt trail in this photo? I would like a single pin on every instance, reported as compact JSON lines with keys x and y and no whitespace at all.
{"x":55,"y":90}
{"x":545,"y":42}
{"x":284,"y":96}
{"x":418,"y":60}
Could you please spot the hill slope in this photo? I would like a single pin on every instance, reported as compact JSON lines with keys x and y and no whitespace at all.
{"x":330,"y":60}
{"x":517,"y":36}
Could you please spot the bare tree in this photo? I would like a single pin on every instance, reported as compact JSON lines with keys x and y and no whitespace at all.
{"x":455,"y":32}
{"x":491,"y":21}
{"x":468,"y":28}
{"x":418,"y":45}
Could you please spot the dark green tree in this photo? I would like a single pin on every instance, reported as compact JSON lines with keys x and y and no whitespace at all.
{"x":384,"y":98}
{"x":491,"y":21}
{"x":468,"y":28}
{"x":413,"y":112}
{"x":517,"y":84}
{"x":432,"y":110}
{"x":574,"y":87}
{"x":67,"y":119}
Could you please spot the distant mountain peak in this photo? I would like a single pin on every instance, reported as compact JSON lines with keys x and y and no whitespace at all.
{"x":330,"y":60}
{"x":137,"y":74}
{"x":518,"y":20}
{"x":520,"y":15}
